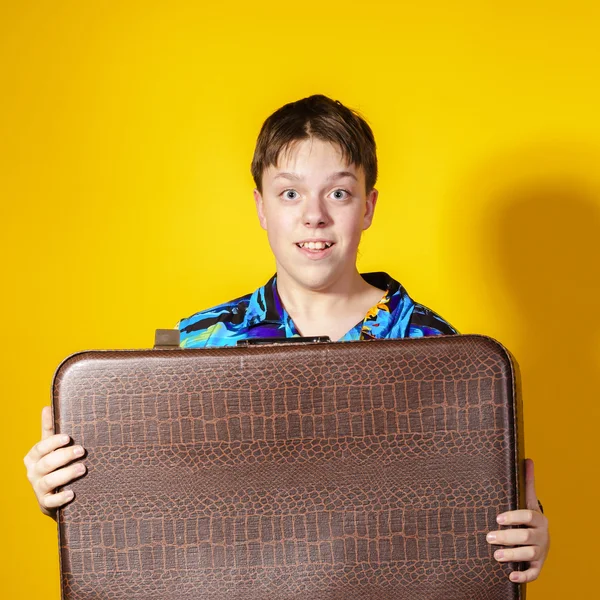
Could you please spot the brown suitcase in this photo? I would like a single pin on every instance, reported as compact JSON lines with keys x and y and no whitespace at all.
{"x":357,"y":470}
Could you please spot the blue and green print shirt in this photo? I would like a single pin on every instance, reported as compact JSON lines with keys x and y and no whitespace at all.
{"x":262,"y":315}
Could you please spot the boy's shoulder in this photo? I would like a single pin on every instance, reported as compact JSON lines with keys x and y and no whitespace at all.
{"x":409,"y":318}
{"x":424,"y":322}
{"x":251,"y":315}
{"x":230,"y":317}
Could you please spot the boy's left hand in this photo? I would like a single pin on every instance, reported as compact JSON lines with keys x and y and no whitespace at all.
{"x":533,"y":542}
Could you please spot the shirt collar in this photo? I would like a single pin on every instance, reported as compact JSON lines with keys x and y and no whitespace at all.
{"x":265,"y":306}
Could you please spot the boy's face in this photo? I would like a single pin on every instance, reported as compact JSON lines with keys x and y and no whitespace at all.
{"x":314,"y":197}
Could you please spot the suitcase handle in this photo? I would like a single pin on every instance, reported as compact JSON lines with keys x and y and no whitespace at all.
{"x":169,"y":339}
{"x":316,"y":339}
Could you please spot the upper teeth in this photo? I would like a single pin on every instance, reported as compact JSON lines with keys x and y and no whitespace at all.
{"x":315,"y":245}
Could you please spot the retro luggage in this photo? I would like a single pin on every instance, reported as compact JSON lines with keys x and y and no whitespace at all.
{"x":321,"y":471}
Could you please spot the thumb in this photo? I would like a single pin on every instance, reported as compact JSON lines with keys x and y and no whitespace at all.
{"x":530,"y":495}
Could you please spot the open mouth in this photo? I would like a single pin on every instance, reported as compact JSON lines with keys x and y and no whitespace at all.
{"x":314,"y":246}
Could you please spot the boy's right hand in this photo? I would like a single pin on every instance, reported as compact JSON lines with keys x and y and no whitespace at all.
{"x":46,"y":466}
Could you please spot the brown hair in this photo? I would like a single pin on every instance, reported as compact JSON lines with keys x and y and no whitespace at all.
{"x":323,"y":118}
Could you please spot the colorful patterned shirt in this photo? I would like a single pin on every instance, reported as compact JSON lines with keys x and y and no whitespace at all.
{"x":262,"y":315}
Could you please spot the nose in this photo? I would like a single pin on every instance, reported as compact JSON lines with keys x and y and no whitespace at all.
{"x":314,"y":212}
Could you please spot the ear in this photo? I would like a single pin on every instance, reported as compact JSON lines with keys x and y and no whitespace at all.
{"x":260,"y":209}
{"x":370,"y":208}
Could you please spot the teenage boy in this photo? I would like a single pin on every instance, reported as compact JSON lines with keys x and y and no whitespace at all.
{"x":315,"y":169}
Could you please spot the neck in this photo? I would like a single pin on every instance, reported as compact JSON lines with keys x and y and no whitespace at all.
{"x":307,"y":303}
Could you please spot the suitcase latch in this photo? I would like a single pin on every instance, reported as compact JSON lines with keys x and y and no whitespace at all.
{"x":166,"y":339}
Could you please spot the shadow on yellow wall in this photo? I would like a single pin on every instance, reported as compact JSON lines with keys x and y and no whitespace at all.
{"x":538,"y":249}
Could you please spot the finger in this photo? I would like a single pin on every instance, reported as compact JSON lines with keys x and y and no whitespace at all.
{"x":525,"y":516}
{"x":522,"y":554}
{"x":527,"y":576}
{"x":47,"y":422}
{"x":513,"y":537}
{"x":55,"y":460}
{"x":44,"y":447}
{"x":50,"y":482}
{"x":530,"y":495}
{"x":56,"y":500}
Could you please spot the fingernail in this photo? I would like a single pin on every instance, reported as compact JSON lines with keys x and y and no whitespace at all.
{"x":80,"y":469}
{"x":78,"y":451}
{"x":499,"y":554}
{"x":69,"y":495}
{"x":491,"y":537}
{"x":515,"y":576}
{"x":64,"y":438}
{"x":501,"y":519}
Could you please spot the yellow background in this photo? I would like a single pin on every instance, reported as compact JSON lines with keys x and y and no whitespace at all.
{"x":127,"y":130}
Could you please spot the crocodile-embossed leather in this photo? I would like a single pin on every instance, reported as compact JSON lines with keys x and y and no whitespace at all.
{"x":357,"y":470}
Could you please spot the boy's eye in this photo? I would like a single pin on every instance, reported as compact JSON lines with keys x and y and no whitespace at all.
{"x":287,"y":194}
{"x":340,"y":194}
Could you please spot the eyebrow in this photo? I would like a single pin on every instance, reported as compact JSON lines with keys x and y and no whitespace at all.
{"x":296,"y":177}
